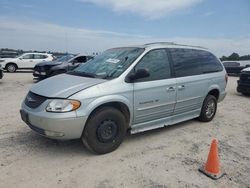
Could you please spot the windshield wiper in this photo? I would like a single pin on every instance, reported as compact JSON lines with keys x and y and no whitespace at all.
{"x":84,"y":74}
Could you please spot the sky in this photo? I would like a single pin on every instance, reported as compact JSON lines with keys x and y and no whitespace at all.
{"x":86,"y":26}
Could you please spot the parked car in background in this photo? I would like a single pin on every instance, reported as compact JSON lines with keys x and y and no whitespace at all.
{"x":24,"y":61}
{"x":244,"y":82}
{"x":8,"y":54}
{"x":62,"y":65}
{"x":136,"y":88}
{"x":1,"y":72}
{"x":235,"y":67}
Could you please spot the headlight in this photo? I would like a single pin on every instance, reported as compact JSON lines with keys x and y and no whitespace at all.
{"x":61,"y":105}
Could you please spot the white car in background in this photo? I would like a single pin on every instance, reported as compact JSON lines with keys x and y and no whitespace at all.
{"x":24,"y":61}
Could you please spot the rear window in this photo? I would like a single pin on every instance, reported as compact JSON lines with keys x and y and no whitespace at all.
{"x":189,"y":62}
{"x":231,"y":64}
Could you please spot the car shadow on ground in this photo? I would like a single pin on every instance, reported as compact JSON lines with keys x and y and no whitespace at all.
{"x":19,"y":71}
{"x":241,"y":95}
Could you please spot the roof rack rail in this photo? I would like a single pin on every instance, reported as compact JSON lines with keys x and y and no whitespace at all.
{"x":172,"y":43}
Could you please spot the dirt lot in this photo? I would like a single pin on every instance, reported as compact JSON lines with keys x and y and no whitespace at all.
{"x":167,"y":157}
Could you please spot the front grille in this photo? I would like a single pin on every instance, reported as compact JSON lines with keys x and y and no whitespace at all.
{"x":245,"y":77}
{"x":33,"y":100}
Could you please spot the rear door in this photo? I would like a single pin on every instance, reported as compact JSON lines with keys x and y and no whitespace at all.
{"x":26,"y":61}
{"x":191,"y":83}
{"x":154,"y":96}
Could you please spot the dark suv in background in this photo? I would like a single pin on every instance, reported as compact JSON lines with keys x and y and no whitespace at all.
{"x":1,"y":72}
{"x":244,"y":82}
{"x":235,"y":67}
{"x":62,"y":65}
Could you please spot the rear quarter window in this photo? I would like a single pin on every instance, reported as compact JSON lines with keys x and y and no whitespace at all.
{"x":189,"y":62}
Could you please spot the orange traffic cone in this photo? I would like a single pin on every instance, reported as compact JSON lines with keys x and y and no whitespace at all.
{"x":212,"y":166}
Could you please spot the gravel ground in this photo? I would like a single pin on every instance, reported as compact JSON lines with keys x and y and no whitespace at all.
{"x":167,"y":157}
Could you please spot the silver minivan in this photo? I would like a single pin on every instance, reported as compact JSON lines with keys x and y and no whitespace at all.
{"x":134,"y":89}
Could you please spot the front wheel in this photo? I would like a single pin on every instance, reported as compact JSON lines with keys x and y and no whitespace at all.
{"x":105,"y":130}
{"x":11,"y":67}
{"x":208,"y":109}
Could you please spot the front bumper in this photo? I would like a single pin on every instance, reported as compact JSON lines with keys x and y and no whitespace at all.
{"x":243,"y":87}
{"x":39,"y":74}
{"x":55,"y":127}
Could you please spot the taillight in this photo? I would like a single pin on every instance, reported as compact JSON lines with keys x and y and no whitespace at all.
{"x":226,"y":78}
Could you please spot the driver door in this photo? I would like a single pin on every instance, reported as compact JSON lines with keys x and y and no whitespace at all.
{"x":154,"y":96}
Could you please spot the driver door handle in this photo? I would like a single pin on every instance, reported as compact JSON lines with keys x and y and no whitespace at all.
{"x":170,"y":89}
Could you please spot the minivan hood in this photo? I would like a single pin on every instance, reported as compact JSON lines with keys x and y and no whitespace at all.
{"x":49,"y":63}
{"x":63,"y":85}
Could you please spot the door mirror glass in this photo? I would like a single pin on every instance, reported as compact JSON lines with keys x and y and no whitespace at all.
{"x":138,"y":74}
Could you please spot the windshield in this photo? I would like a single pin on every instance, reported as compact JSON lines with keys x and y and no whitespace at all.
{"x":110,"y":64}
{"x":64,"y":58}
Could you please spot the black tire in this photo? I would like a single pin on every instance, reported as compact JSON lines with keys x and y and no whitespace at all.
{"x":11,"y":67}
{"x":105,"y":130}
{"x":208,"y":109}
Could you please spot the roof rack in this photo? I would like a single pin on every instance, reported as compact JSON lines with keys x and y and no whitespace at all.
{"x":172,"y":43}
{"x":169,"y":43}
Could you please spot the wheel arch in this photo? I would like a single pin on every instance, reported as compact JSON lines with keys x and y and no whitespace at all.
{"x":9,"y":64}
{"x":121,"y":104}
{"x":117,"y":105}
{"x":215,"y":92}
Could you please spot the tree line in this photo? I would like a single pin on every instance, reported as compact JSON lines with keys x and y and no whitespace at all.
{"x":235,"y":56}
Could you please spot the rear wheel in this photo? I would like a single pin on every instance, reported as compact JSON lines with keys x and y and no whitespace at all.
{"x":104,"y":131}
{"x":11,"y":67}
{"x":208,"y":109}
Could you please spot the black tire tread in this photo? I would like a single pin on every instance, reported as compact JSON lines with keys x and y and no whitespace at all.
{"x":90,"y":142}
{"x":203,"y":117}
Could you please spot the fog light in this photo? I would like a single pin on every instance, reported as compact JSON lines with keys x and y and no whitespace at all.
{"x":53,"y":134}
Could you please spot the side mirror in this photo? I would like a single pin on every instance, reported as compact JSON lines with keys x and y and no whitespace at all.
{"x":74,"y":62}
{"x":138,"y":74}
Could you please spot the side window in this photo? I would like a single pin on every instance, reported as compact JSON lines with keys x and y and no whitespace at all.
{"x":209,"y":62}
{"x":189,"y":62}
{"x":80,"y":59}
{"x":157,"y":63}
{"x":28,"y":56}
{"x":186,"y":62}
{"x":38,"y":56}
